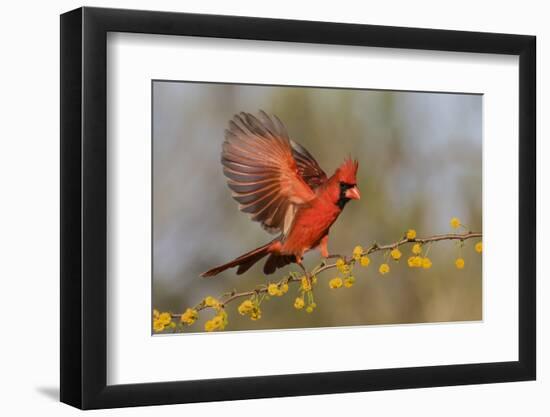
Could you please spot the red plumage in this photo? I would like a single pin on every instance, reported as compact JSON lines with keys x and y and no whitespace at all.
{"x":279,"y":184}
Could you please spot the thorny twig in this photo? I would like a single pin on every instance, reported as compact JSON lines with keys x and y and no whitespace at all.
{"x":324,"y":266}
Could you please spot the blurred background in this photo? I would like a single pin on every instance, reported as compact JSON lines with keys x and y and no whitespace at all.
{"x":420,"y":164}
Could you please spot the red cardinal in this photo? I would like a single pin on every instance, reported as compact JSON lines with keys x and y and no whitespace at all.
{"x":280,"y":185}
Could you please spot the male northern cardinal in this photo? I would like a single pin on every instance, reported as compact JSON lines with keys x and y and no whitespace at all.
{"x":280,"y":184}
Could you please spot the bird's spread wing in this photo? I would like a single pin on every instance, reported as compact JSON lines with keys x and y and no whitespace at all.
{"x":308,"y":167}
{"x":265,"y":178}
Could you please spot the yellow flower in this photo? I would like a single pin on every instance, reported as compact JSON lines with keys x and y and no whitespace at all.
{"x":426,"y":263}
{"x":309,"y":309}
{"x":245,"y":307}
{"x":414,"y":262}
{"x":479,"y":247}
{"x":158,"y":326}
{"x":190,"y":316}
{"x":384,"y":269}
{"x":216,"y":323}
{"x":395,"y":254}
{"x":272,"y":289}
{"x":342,"y":266}
{"x":306,"y":285}
{"x":211,"y":302}
{"x":335,"y":282}
{"x":365,"y":261}
{"x":284,"y":288}
{"x":411,"y":234}
{"x":165,"y":318}
{"x":357,"y":252}
{"x":455,"y":223}
{"x":349,"y":281}
{"x":156,"y":314}
{"x":459,"y":263}
{"x":299,"y":303}
{"x":314,"y":279}
{"x":417,"y":249}
{"x":256,"y":313}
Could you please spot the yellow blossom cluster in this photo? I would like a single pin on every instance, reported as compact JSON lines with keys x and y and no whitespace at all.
{"x":349,"y":281}
{"x":251,"y":308}
{"x":245,"y":307}
{"x":299,"y":303}
{"x":256,"y":314}
{"x":384,"y":269}
{"x":211,"y":302}
{"x":342,"y":266}
{"x":460,"y":263}
{"x":311,"y":307}
{"x":190,"y":316}
{"x":306,"y":294}
{"x":395,"y":254}
{"x":411,"y":234}
{"x":426,"y":263}
{"x":419,"y":262}
{"x":218,"y":322}
{"x":346,"y":269}
{"x":479,"y":247}
{"x":455,"y":223}
{"x":357,"y":253}
{"x":162,"y":321}
{"x":277,"y":290}
{"x":305,"y":284}
{"x":335,"y":283}
{"x":414,"y":261}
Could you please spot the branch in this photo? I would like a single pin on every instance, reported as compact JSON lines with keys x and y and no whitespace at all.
{"x":306,"y":279}
{"x":376,"y":248}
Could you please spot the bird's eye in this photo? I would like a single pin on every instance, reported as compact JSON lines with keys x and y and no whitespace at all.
{"x":346,"y":186}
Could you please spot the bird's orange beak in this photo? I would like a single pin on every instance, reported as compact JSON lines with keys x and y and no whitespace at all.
{"x":353,"y":193}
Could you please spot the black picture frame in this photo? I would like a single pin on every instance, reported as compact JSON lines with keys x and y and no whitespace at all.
{"x":84,"y":207}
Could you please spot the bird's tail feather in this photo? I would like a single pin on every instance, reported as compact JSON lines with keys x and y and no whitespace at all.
{"x":244,"y":262}
{"x":276,"y":261}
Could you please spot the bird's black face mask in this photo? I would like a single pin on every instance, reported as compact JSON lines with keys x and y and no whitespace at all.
{"x":343,"y":199}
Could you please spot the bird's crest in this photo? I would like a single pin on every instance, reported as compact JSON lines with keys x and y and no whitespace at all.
{"x":348,"y":170}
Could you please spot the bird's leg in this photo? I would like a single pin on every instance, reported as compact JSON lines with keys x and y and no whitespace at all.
{"x":323,"y":246}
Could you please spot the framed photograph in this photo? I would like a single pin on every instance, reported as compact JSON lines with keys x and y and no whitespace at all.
{"x":257,"y":208}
